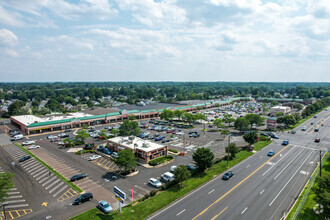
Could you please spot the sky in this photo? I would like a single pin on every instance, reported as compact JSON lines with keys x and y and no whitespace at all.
{"x":165,"y":40}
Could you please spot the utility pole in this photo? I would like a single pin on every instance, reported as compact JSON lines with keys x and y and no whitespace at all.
{"x":320,"y":164}
{"x":4,"y":210}
{"x":228,"y":151}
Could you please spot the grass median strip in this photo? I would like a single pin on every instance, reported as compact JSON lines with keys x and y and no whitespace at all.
{"x":51,"y":169}
{"x":144,"y":209}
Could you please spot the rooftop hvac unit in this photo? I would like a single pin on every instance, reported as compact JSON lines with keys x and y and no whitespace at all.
{"x":145,"y":145}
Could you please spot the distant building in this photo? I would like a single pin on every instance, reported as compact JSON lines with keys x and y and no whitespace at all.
{"x":284,"y":109}
{"x":144,"y":150}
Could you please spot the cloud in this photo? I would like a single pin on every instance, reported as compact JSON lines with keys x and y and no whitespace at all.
{"x":10,"y":18}
{"x":11,"y":53}
{"x":8,"y":38}
{"x":68,"y":41}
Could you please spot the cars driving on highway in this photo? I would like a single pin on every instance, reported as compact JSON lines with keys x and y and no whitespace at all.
{"x":285,"y":142}
{"x":271,"y":153}
{"x":316,"y":130}
{"x":77,"y":177}
{"x":228,"y":175}
{"x":304,"y":128}
{"x":83,"y":198}
{"x":317,"y":140}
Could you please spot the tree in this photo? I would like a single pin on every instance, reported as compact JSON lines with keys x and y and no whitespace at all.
{"x":233,"y":150}
{"x":251,"y":137}
{"x":218,"y":123}
{"x":322,"y":193}
{"x":114,"y":131}
{"x":298,"y":106}
{"x":254,"y":119}
{"x":188,"y":118}
{"x":128,"y":128}
{"x":68,"y":142}
{"x":203,"y":158}
{"x":178,"y":113}
{"x":166,"y":115}
{"x":297,"y":117}
{"x":181,"y":173}
{"x":81,"y":136}
{"x":131,"y":117}
{"x":287,"y":120}
{"x":103,"y":134}
{"x":84,"y":126}
{"x":126,"y":160}
{"x":241,"y":124}
{"x":200,"y":116}
{"x":278,"y":114}
{"x":224,"y":132}
{"x":6,"y":184}
{"x":228,"y":119}
{"x":265,"y":109}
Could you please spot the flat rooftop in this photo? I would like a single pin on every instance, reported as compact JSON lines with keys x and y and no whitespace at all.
{"x":136,"y":143}
{"x":30,"y":119}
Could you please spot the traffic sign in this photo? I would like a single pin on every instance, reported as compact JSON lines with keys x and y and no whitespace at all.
{"x":119,"y":199}
{"x":120,"y":193}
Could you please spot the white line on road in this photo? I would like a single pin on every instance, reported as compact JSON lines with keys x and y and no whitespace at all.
{"x":14,"y":197}
{"x":260,"y":157}
{"x":50,"y":180}
{"x":278,"y":161}
{"x":11,"y":193}
{"x":262,"y":191}
{"x":288,"y":164}
{"x":290,"y":179}
{"x":248,"y":166}
{"x":60,"y":190}
{"x":211,"y":191}
{"x":61,"y":183}
{"x":15,"y":201}
{"x":53,"y":183}
{"x":180,"y":212}
{"x":16,"y":206}
{"x":244,"y":210}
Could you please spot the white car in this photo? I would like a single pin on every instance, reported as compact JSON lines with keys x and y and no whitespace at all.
{"x":174,"y":138}
{"x":180,"y":133}
{"x":34,"y":147}
{"x":173,"y":168}
{"x":51,"y":136}
{"x":154,"y":182}
{"x":94,"y":157}
{"x":28,"y":143}
{"x":304,"y":128}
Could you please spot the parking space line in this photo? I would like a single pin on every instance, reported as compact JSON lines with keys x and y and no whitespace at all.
{"x":26,"y":166}
{"x":53,"y":183}
{"x":36,"y":171}
{"x":41,"y":172}
{"x":53,"y":178}
{"x":69,"y":191}
{"x":47,"y":177}
{"x":35,"y":168}
{"x":60,"y":184}
{"x":58,"y":192}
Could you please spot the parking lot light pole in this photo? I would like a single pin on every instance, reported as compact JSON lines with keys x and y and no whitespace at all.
{"x":228,"y":150}
{"x":4,"y":210}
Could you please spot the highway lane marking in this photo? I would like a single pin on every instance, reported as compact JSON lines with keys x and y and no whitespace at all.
{"x":290,"y":178}
{"x":219,"y":213}
{"x":260,"y":157}
{"x":288,"y":164}
{"x":262,"y":191}
{"x":211,"y":191}
{"x":277,"y":162}
{"x":248,"y":166}
{"x":305,"y":147}
{"x":240,"y":183}
{"x":320,"y":124}
{"x":181,"y":212}
{"x":244,"y":210}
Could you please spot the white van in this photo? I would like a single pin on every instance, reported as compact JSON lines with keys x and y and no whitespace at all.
{"x":167,"y":177}
{"x":17,"y":137}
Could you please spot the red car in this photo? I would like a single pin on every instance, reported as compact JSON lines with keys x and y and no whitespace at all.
{"x":317,"y":140}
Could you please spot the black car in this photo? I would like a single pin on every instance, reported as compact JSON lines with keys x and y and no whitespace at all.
{"x":24,"y":158}
{"x":83,"y":198}
{"x":67,"y":130}
{"x":228,"y":175}
{"x":165,"y":140}
{"x":63,"y":135}
{"x":78,"y":177}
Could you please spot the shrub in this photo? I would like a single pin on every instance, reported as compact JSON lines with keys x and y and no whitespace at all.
{"x":157,"y":161}
{"x":263,"y":138}
{"x":217,"y":160}
{"x":169,"y":157}
{"x":174,"y":151}
{"x":153,"y":193}
{"x":78,"y":152}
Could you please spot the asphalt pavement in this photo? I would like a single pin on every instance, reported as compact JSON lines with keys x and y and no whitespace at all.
{"x":263,"y":187}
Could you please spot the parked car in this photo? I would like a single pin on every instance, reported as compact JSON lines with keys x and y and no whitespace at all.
{"x":28,"y":143}
{"x":317,"y":140}
{"x":167,"y":177}
{"x":159,"y":138}
{"x":174,"y":138}
{"x":68,"y":130}
{"x":104,"y":206}
{"x":101,"y":148}
{"x":77,"y":177}
{"x":271,"y":153}
{"x":285,"y":142}
{"x":154,"y":182}
{"x":17,"y":137}
{"x":274,"y":136}
{"x":165,"y":140}
{"x":107,"y":151}
{"x":51,"y":136}
{"x":173,"y":168}
{"x":228,"y":175}
{"x":94,"y":157}
{"x":83,"y":198}
{"x":55,"y":139}
{"x":190,"y":167}
{"x":24,"y":158}
{"x":114,"y":154}
{"x":33,"y":147}
{"x":63,"y":135}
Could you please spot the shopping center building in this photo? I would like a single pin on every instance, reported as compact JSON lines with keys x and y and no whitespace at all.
{"x":30,"y":124}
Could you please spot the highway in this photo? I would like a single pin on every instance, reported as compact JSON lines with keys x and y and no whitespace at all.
{"x":263,"y":187}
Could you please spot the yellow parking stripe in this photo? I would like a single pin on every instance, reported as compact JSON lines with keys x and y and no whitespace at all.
{"x":68,"y":194}
{"x":12,"y":214}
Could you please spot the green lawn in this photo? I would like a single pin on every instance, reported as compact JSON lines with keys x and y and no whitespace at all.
{"x":307,"y":212}
{"x":143,"y":209}
{"x":51,"y":169}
